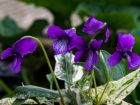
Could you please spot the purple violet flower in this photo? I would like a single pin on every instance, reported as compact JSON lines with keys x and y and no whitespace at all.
{"x":93,"y":26}
{"x":124,"y":50}
{"x":65,"y":39}
{"x":18,"y":50}
{"x":90,"y":51}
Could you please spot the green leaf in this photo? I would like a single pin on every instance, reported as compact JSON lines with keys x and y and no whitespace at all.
{"x":14,"y":101}
{"x":115,"y":90}
{"x":118,"y":90}
{"x":136,"y":95}
{"x":66,"y":70}
{"x":7,"y":101}
{"x":9,"y":28}
{"x":49,"y":77}
{"x":118,"y":20}
{"x":9,"y":31}
{"x":24,"y":92}
{"x":113,"y":102}
{"x":18,"y":101}
{"x":136,"y":32}
{"x":117,"y":17}
{"x":61,"y":6}
{"x":84,"y":82}
{"x":88,"y":9}
{"x":37,"y":27}
{"x":105,"y":73}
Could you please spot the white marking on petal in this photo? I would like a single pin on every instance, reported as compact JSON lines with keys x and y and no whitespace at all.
{"x":61,"y":46}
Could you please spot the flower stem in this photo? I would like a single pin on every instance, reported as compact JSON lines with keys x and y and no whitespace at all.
{"x":5,"y":87}
{"x":25,"y":77}
{"x":95,"y":86}
{"x":67,"y":74}
{"x":103,"y":62}
{"x":71,"y":67}
{"x":105,"y":88}
{"x":90,"y":86}
{"x":49,"y":64}
{"x":103,"y":92}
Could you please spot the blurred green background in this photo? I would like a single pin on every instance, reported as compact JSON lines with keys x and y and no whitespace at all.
{"x":121,"y":16}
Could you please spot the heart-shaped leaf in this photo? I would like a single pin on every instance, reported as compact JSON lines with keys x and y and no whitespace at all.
{"x":104,"y":73}
{"x":66,"y":70}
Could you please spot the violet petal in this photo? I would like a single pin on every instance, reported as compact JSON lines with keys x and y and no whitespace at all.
{"x":60,"y":46}
{"x":80,"y":43}
{"x":71,"y":45}
{"x":25,"y":46}
{"x":91,"y":60}
{"x":96,"y":44}
{"x":92,"y":25}
{"x":125,"y":42}
{"x":79,"y":55}
{"x":114,"y":59}
{"x":70,"y":32}
{"x":55,"y":32}
{"x":133,"y":61}
{"x":72,"y":38}
{"x":7,"y":53}
{"x":15,"y":66}
{"x":107,"y":34}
